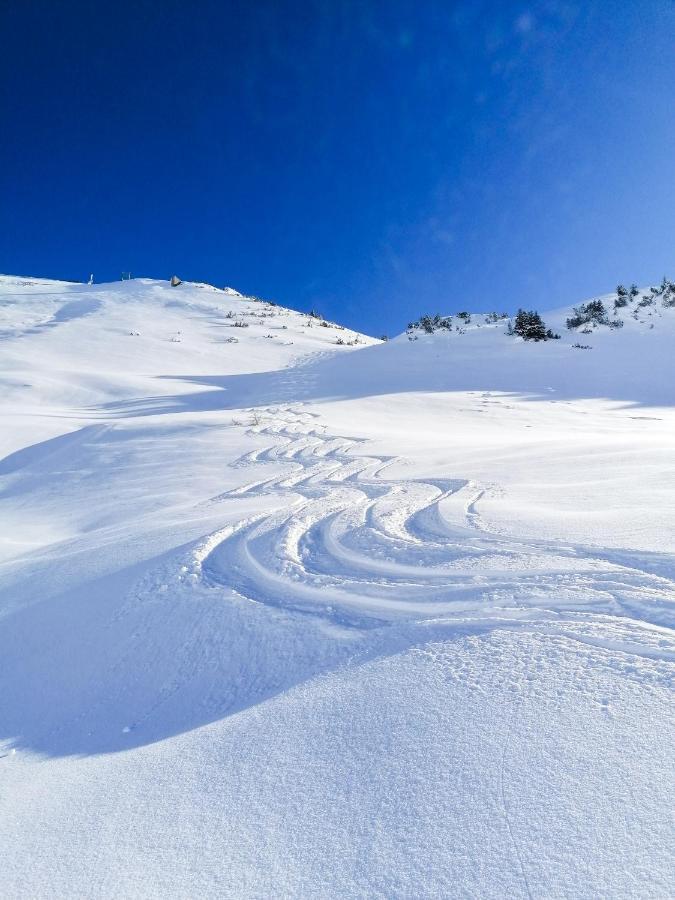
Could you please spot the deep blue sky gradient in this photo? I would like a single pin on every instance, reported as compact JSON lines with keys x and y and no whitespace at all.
{"x":375,"y":160}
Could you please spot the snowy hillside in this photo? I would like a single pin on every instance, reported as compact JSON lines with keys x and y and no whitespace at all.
{"x":288,"y":611}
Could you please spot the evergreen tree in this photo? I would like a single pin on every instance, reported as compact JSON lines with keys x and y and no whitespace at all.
{"x":530,"y":326}
{"x":592,"y":312}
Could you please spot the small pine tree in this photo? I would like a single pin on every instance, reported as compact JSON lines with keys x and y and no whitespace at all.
{"x":594,"y":311}
{"x":530,"y":326}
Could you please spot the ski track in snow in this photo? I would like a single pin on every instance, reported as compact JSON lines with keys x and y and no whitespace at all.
{"x":353,"y":545}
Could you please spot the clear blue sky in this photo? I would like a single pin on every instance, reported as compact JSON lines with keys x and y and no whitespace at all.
{"x":372,"y":159}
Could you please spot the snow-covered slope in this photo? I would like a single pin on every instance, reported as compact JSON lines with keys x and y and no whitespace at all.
{"x":283,"y":616}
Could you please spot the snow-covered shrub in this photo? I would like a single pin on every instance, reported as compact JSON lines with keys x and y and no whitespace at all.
{"x":429,"y":324}
{"x":593,"y":312}
{"x":668,"y":292}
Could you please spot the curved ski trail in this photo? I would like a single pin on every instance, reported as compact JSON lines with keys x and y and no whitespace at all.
{"x":364,"y":549}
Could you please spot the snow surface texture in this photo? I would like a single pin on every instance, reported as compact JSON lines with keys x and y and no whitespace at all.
{"x":282,"y":617}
